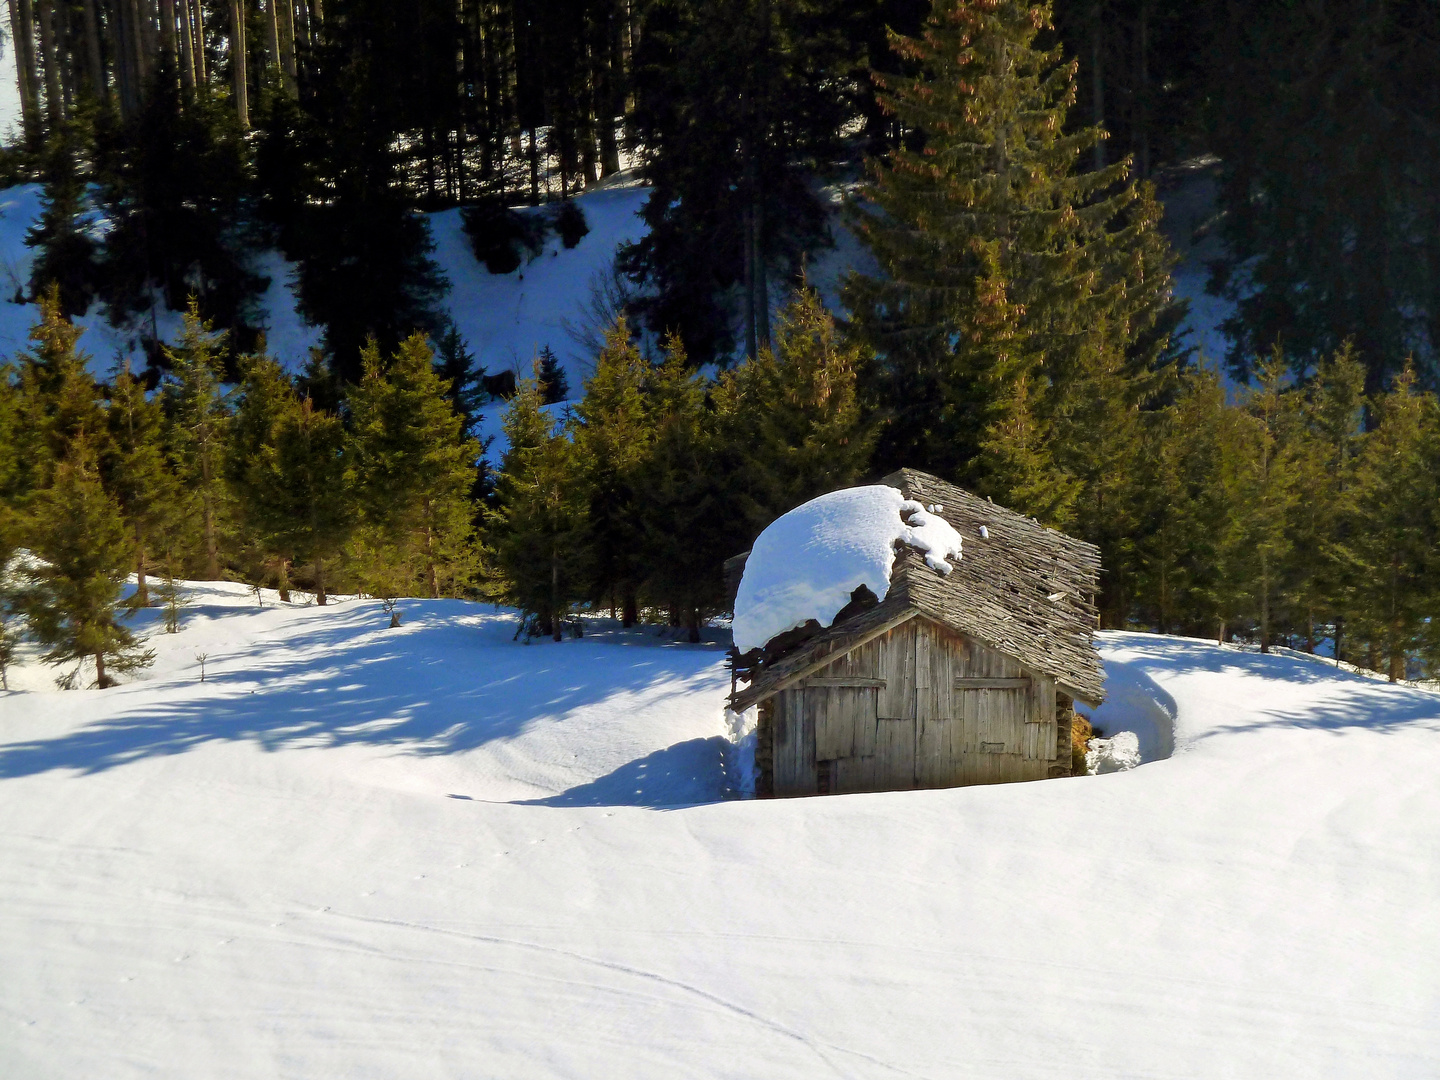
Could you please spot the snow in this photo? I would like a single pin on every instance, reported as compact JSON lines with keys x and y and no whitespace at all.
{"x":505,"y":319}
{"x":807,"y":562}
{"x":1117,"y":754}
{"x":362,"y":852}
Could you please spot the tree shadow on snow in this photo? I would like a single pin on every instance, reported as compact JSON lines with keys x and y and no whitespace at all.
{"x":448,"y":681}
{"x":1350,"y":701}
{"x":686,"y":774}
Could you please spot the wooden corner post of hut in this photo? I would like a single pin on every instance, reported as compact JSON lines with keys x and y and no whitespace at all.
{"x":951,"y":679}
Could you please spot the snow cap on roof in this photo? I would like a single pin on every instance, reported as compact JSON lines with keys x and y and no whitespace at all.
{"x":806,"y":563}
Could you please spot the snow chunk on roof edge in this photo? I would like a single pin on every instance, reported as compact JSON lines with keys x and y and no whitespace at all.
{"x":806,"y":563}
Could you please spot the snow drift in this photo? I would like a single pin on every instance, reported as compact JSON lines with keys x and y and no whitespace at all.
{"x":806,"y":563}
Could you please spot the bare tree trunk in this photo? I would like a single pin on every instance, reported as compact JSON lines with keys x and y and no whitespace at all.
{"x":22,"y":33}
{"x":100,"y":671}
{"x":320,"y":598}
{"x":272,"y":40}
{"x":54,"y":96}
{"x":94,"y":63}
{"x":142,"y":592}
{"x":238,"y":53}
{"x":168,"y":51}
{"x":187,"y":47}
{"x":138,"y":52}
{"x":202,"y":73}
{"x":287,"y":45}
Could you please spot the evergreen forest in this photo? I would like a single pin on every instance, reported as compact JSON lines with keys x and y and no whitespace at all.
{"x":1015,"y":329}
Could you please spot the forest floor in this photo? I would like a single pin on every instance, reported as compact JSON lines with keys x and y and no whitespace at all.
{"x":435,"y":851}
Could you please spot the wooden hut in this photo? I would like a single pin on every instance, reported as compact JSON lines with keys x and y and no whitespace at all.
{"x":966,"y":678}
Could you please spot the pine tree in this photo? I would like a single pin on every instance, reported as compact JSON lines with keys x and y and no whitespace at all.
{"x":85,"y":555}
{"x":1321,"y":578}
{"x":1000,"y":258}
{"x":554,"y":386}
{"x":1396,"y":530}
{"x":1261,"y":481}
{"x":136,"y":472}
{"x":455,"y":365}
{"x":690,"y":502}
{"x":412,"y":466}
{"x":265,"y":398}
{"x":197,"y":434}
{"x":317,"y":512}
{"x":612,"y":436}
{"x":790,"y":420}
{"x":67,"y":251}
{"x":539,"y":522}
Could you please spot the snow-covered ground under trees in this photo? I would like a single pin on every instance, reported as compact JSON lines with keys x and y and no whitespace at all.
{"x":433,"y":851}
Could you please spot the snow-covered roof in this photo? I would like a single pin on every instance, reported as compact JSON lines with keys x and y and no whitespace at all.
{"x":1021,"y":588}
{"x":806,"y":563}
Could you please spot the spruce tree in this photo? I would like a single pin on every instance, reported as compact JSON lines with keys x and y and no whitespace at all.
{"x":688,"y":511}
{"x":66,"y":255}
{"x":317,"y":511}
{"x":612,"y":435}
{"x":136,"y":472}
{"x":538,"y":526}
{"x":413,"y":467}
{"x":85,"y":555}
{"x":790,"y":426}
{"x":1321,"y":579}
{"x":1261,"y":482}
{"x":58,"y":401}
{"x":456,"y":367}
{"x":1396,"y":529}
{"x":554,"y":386}
{"x":265,"y":397}
{"x":197,"y":435}
{"x":1000,"y":258}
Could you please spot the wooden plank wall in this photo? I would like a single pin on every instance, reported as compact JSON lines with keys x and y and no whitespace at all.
{"x":919,"y":706}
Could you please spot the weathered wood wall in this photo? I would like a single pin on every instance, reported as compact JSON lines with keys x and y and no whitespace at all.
{"x":918,"y":706}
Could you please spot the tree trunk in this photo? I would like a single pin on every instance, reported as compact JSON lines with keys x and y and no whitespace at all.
{"x":320,"y":598}
{"x":54,"y":96}
{"x":1264,"y":603}
{"x":287,"y":45}
{"x":556,"y":630}
{"x":138,"y":55}
{"x":142,"y":592}
{"x":187,"y":47}
{"x":692,"y":623}
{"x":22,"y":30}
{"x":168,"y":53}
{"x":629,"y":610}
{"x":94,"y":62}
{"x":100,"y":682}
{"x":238,"y":53}
{"x":202,"y":73}
{"x":272,"y":40}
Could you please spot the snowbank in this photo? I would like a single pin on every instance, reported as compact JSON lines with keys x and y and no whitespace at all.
{"x":806,"y":563}
{"x":432,"y":851}
{"x":1120,"y":753}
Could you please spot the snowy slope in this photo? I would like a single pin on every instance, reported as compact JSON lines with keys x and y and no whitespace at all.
{"x":357,"y":852}
{"x":506,"y":319}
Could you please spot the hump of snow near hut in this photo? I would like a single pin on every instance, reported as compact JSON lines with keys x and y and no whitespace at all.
{"x":958,"y":663}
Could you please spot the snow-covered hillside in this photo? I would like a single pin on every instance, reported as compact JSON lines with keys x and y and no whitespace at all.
{"x":433,"y":851}
{"x":506,"y":319}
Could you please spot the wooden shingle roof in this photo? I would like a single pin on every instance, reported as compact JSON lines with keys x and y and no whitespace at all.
{"x":1023,"y":589}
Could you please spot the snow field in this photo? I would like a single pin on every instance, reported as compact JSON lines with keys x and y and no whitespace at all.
{"x":432,"y":851}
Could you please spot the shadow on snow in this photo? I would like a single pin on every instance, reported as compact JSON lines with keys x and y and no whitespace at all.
{"x":447,"y":681}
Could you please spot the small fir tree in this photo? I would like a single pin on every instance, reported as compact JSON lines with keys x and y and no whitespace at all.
{"x":612,"y":436}
{"x":538,"y":526}
{"x":84,"y":559}
{"x":465,"y":379}
{"x":554,"y":386}
{"x":197,"y":436}
{"x":136,"y":472}
{"x":1396,"y":534}
{"x":413,"y":466}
